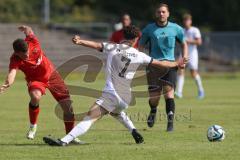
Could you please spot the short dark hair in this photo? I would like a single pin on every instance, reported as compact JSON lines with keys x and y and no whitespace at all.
{"x":187,"y":16}
{"x":19,"y":45}
{"x":162,"y":5}
{"x":131,"y":32}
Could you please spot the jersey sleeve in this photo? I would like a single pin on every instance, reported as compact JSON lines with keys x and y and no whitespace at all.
{"x":144,"y":37}
{"x":104,"y":45}
{"x":32,"y":38}
{"x":197,"y":33}
{"x":180,"y":34}
{"x":14,"y":64}
{"x":107,"y":47}
{"x":145,"y":59}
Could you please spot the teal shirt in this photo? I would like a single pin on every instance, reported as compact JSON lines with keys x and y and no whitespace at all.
{"x":162,"y":40}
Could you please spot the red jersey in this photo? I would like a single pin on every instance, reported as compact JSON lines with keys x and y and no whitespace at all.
{"x":37,"y":67}
{"x":118,"y":36}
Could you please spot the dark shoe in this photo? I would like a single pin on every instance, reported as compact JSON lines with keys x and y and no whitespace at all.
{"x":53,"y":142}
{"x":170,"y":123}
{"x":137,"y":136}
{"x":169,"y":126}
{"x":151,"y":118}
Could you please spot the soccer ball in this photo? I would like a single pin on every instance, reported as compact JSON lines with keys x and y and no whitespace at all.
{"x":215,"y":133}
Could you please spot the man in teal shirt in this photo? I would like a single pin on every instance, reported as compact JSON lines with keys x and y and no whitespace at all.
{"x":161,"y":37}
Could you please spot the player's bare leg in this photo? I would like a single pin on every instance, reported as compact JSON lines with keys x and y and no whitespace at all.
{"x":153,"y":103}
{"x":195,"y":75}
{"x":95,"y":113}
{"x":180,"y":83}
{"x":33,"y":112}
{"x":170,"y":106}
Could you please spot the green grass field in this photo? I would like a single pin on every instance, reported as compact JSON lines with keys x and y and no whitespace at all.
{"x":107,"y":139}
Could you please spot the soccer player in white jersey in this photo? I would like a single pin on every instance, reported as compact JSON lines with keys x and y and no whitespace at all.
{"x":193,"y":38}
{"x":121,"y":64}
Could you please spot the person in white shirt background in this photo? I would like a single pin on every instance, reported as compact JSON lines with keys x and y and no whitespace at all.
{"x":193,"y":39}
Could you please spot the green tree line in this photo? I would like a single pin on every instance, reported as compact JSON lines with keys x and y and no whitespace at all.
{"x":211,"y":14}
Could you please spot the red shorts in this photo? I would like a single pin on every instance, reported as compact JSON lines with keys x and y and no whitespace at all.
{"x":55,"y":85}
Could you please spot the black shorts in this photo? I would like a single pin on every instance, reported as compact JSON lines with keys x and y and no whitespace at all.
{"x":159,"y":78}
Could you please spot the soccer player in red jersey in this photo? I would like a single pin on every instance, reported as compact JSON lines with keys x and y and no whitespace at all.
{"x":117,"y":36}
{"x":40,"y":74}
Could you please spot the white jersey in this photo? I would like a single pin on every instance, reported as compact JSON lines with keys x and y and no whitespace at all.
{"x":192,"y":33}
{"x":121,"y":65}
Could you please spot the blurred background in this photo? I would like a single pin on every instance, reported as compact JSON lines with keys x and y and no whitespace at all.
{"x":56,"y":21}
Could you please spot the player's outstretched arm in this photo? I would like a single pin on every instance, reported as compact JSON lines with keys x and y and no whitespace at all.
{"x":168,"y":64}
{"x":26,"y":30}
{"x":91,"y":44}
{"x":9,"y":80}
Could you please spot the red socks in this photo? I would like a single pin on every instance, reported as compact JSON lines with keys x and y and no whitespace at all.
{"x":68,"y":121}
{"x":68,"y":126}
{"x":33,"y":113}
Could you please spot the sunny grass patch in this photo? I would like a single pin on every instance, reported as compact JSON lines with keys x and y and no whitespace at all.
{"x":109,"y":140}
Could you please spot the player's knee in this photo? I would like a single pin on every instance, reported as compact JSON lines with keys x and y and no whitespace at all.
{"x":154,"y":101}
{"x":154,"y":98}
{"x":35,"y":96}
{"x":169,"y":94}
{"x":94,"y":114}
{"x":194,"y":73}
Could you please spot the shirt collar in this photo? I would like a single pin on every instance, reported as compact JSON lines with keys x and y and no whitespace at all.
{"x":161,"y":26}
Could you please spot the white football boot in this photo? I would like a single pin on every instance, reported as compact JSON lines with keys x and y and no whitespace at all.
{"x":31,"y":132}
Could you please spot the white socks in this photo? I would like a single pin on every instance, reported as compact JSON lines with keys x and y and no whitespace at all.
{"x":180,"y":83}
{"x":199,"y":83}
{"x":80,"y":129}
{"x":125,"y":120}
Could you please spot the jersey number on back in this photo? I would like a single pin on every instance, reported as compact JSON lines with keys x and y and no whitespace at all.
{"x":127,"y":60}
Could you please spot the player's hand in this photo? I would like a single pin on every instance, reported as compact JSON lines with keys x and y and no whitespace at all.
{"x":76,"y":39}
{"x":185,"y":60}
{"x":22,"y":28}
{"x":181,"y":63}
{"x":26,"y":30}
{"x":3,"y":88}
